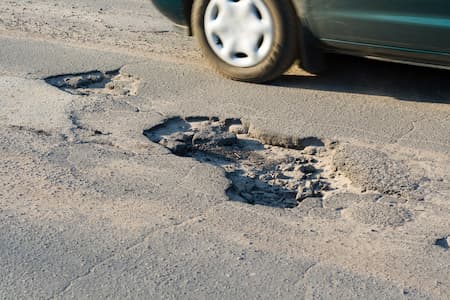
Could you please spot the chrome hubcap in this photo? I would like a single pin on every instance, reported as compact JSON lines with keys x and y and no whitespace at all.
{"x":240,"y":32}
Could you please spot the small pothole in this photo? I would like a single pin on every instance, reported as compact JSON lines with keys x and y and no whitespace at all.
{"x":260,"y":173}
{"x":110,"y":83}
{"x":443,"y":242}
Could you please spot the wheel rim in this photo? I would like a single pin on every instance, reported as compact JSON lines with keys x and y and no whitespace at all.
{"x":240,"y":32}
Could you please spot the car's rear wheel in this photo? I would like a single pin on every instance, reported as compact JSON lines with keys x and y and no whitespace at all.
{"x":247,"y":40}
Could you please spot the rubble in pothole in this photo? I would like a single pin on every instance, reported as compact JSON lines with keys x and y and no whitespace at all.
{"x":260,"y":173}
{"x":112,"y":83}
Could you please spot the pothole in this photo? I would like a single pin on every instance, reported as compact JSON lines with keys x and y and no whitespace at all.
{"x":260,"y":173}
{"x":443,"y":242}
{"x":112,"y":83}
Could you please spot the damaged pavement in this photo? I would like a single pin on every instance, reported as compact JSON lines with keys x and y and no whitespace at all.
{"x":126,"y":176}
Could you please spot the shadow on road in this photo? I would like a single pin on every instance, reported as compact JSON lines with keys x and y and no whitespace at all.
{"x":369,"y":77}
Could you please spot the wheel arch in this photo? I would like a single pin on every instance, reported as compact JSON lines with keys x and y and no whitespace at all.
{"x":187,"y":6}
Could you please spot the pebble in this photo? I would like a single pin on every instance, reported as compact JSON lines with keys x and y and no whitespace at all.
{"x":301,"y":160}
{"x":225,"y":139}
{"x":310,"y":150}
{"x":280,"y":175}
{"x":177,"y":147}
{"x":238,"y":129}
{"x":185,"y":137}
{"x":210,"y":137}
{"x":243,"y":185}
{"x":123,"y":92}
{"x":287,"y":168}
{"x":299,"y":175}
{"x":301,"y":195}
{"x":246,"y":195}
{"x":266,"y":177}
{"x":293,"y":185}
{"x":261,"y":184}
{"x":307,"y":169}
{"x":281,"y":182}
{"x":110,"y":85}
{"x":202,"y":137}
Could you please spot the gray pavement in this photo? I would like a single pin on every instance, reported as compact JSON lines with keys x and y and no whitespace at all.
{"x":90,"y":208}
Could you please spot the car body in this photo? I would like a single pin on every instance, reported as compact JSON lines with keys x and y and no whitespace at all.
{"x":408,"y":31}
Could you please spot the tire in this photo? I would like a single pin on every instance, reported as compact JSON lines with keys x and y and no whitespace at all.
{"x":276,"y":40}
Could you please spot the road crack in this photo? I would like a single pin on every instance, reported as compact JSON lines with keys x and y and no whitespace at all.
{"x":411,"y":129}
{"x":135,"y":245}
{"x":40,"y":132}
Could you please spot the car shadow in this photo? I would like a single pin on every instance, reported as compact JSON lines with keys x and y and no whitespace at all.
{"x":370,"y":77}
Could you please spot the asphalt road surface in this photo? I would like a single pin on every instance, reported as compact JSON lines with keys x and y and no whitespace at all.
{"x":129,"y":170}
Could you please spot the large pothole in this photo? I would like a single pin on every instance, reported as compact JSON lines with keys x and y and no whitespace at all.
{"x":112,"y":83}
{"x":260,"y":173}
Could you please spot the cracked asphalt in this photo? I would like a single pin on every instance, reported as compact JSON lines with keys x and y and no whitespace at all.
{"x":91,"y":208}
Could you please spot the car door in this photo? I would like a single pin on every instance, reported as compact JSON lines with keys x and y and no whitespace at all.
{"x":422,"y":25}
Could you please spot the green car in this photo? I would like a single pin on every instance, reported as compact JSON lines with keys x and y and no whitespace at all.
{"x":258,"y":40}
